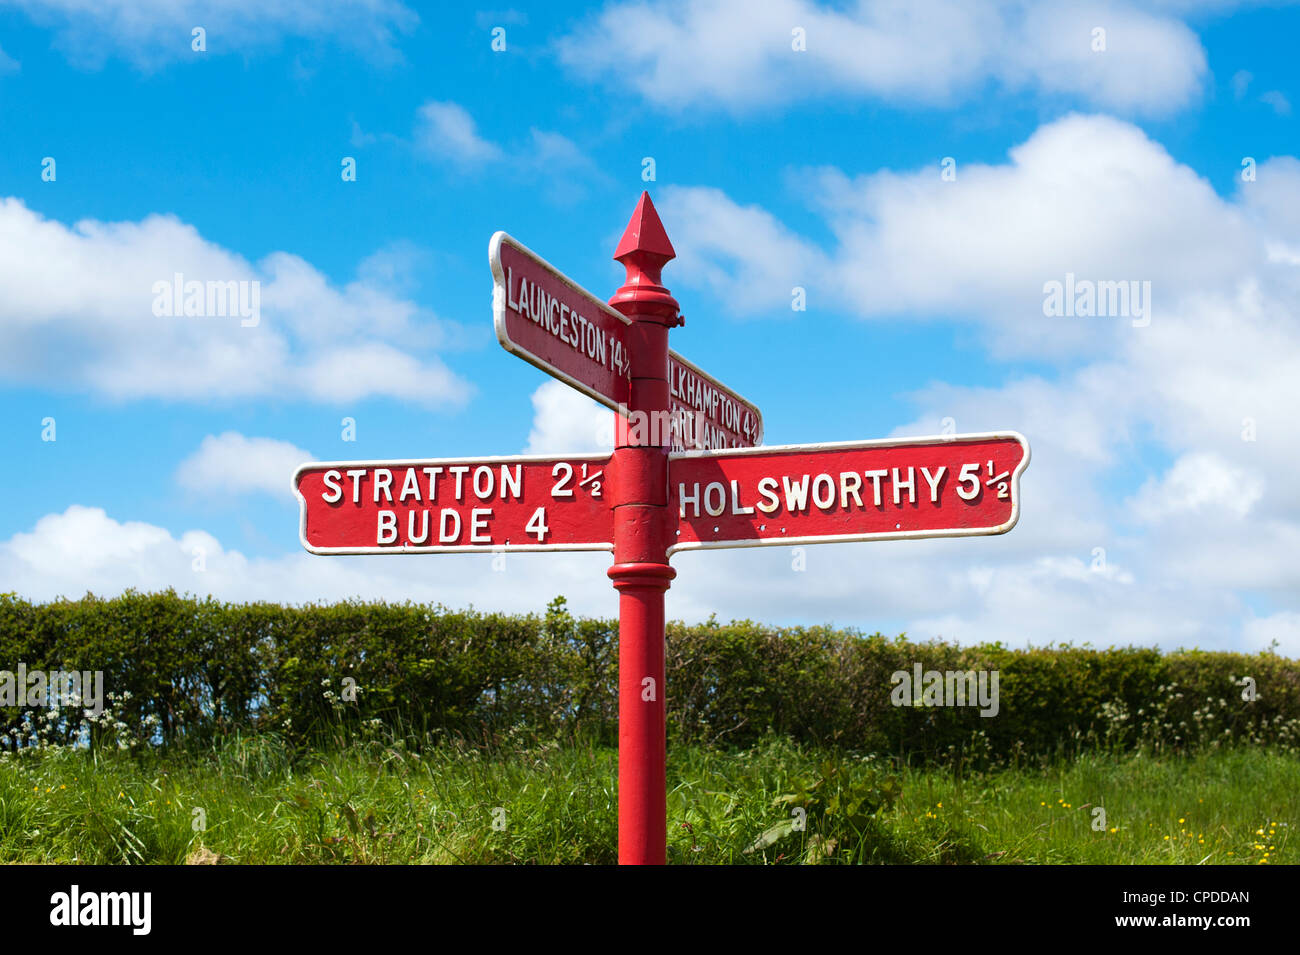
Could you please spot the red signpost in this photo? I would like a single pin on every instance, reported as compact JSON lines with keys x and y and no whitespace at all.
{"x":550,"y":321}
{"x":706,"y":413}
{"x":953,"y":486}
{"x":444,"y":506}
{"x":644,"y":502}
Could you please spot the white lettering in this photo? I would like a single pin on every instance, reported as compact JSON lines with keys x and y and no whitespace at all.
{"x":710,"y":509}
{"x":432,"y":474}
{"x":387,"y":527}
{"x":384,"y":482}
{"x":933,"y":482}
{"x":823,"y":501}
{"x":909,"y":484}
{"x":331,"y":482}
{"x":511,"y":484}
{"x":735,"y":499}
{"x":796,"y":495}
{"x":478,"y":519}
{"x":410,"y":487}
{"x":411,"y":537}
{"x":356,"y":474}
{"x":875,"y":477}
{"x":481,"y":492}
{"x":459,"y":470}
{"x":850,"y":483}
{"x":685,"y":498}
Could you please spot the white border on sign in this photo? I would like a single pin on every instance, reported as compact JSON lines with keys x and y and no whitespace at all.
{"x":503,"y":336}
{"x":441,"y":549}
{"x":852,"y":445}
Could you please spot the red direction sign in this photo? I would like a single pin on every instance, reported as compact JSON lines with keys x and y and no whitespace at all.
{"x":950,"y":486}
{"x":707,"y":414}
{"x":551,"y":321}
{"x":448,"y":505}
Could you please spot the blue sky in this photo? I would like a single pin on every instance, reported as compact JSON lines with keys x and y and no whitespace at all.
{"x":775,"y":167}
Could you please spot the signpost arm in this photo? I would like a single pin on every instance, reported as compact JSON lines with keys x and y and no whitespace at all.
{"x":642,"y":527}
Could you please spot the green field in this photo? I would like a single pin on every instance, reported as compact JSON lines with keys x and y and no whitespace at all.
{"x":375,"y":802}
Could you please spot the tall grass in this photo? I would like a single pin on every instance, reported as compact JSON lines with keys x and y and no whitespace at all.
{"x":254,"y":799}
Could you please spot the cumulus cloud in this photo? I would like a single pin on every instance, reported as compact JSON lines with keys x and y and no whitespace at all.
{"x":1160,"y":507}
{"x":742,"y":252}
{"x":1261,"y":633}
{"x":743,"y":56}
{"x":1241,"y":81}
{"x":1087,"y":196}
{"x":1277,"y":100}
{"x":81,"y":310}
{"x":448,"y":131}
{"x":963,"y":590}
{"x":1198,"y":484}
{"x":568,"y":422}
{"x":1113,"y":544}
{"x":231,"y":463}
{"x":83,"y":549}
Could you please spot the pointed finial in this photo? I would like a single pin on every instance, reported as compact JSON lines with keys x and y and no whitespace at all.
{"x":644,"y":250}
{"x":645,"y":233}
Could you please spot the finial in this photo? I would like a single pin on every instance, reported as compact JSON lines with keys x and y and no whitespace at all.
{"x":644,"y":250}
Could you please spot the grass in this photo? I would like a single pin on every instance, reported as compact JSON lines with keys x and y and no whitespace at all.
{"x":250,"y":801}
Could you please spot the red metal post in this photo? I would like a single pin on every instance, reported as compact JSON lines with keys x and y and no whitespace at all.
{"x":642,"y":528}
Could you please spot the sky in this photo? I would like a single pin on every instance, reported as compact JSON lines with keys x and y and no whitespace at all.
{"x":923,"y":171}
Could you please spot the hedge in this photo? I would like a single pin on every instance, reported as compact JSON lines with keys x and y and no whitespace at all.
{"x":187,"y":670}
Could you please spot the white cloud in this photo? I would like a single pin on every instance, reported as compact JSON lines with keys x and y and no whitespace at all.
{"x":447,"y":131}
{"x":743,"y":253}
{"x":151,"y":33}
{"x":1095,"y":556}
{"x":1211,"y":384}
{"x":566,"y":421}
{"x":231,"y":464}
{"x":1241,"y":82}
{"x":742,"y":56}
{"x":963,"y":590}
{"x":1223,"y":345}
{"x":1183,"y":555}
{"x":564,"y":170}
{"x":1085,"y":195}
{"x":1199,"y":483}
{"x":83,"y":550}
{"x":1261,"y":632}
{"x":1278,"y":101}
{"x":78,"y":313}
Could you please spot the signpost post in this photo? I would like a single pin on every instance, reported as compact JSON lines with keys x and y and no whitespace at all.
{"x":687,"y":472}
